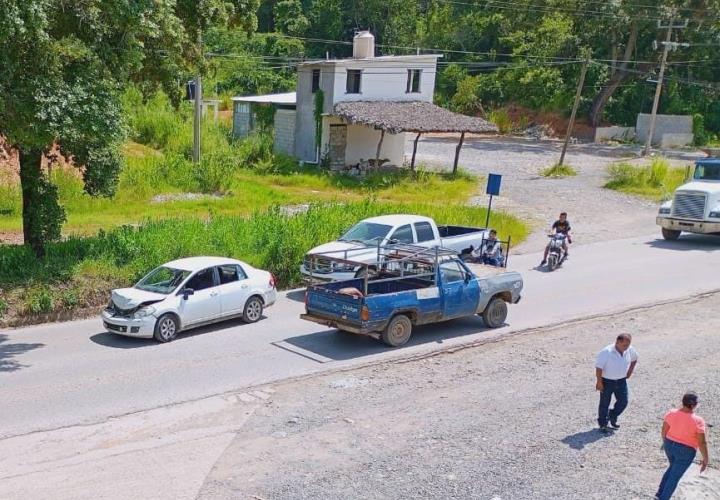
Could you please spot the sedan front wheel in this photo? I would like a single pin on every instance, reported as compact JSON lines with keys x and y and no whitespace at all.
{"x":166,"y":328}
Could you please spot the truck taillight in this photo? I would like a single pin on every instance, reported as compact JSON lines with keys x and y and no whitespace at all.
{"x":364,"y":313}
{"x":273,"y":281}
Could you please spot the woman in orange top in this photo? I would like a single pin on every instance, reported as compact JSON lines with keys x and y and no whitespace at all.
{"x":683,"y":433}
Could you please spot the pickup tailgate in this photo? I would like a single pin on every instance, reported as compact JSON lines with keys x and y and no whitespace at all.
{"x":333,"y":305}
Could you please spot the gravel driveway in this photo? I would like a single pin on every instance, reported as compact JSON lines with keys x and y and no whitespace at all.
{"x":512,"y":420}
{"x":596,"y":213}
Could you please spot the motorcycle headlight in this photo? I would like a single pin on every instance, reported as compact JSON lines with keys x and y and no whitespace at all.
{"x":143,"y":312}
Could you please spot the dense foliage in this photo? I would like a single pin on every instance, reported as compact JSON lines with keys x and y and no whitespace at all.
{"x":517,"y":51}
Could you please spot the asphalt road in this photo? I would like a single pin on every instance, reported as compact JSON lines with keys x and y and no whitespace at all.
{"x":58,"y":375}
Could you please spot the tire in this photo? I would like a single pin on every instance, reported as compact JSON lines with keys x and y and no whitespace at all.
{"x":495,"y":313}
{"x":166,"y":328}
{"x":398,"y":331}
{"x":552,"y":262}
{"x":670,"y":234}
{"x":253,"y":309}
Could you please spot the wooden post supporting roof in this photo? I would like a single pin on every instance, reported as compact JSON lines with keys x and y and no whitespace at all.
{"x":457,"y":152}
{"x":377,"y":153}
{"x":415,"y":142}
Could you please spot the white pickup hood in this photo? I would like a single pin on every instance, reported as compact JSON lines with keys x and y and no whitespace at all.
{"x":130,"y":298}
{"x":356,"y":251}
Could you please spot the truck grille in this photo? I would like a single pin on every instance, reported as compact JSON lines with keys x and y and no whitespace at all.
{"x":321,"y":265}
{"x":689,"y":205}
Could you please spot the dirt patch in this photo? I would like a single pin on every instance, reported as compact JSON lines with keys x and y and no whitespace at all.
{"x":513,"y":419}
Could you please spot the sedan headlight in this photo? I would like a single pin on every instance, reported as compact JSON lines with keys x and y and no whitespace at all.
{"x":143,"y":312}
{"x":715,"y":214}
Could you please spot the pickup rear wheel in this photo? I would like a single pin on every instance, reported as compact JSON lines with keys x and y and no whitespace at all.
{"x":670,"y":234}
{"x":495,"y":313}
{"x":398,"y":331}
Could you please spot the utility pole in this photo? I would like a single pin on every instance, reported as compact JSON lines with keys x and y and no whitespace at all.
{"x":578,"y":93}
{"x":197,"y":117}
{"x":658,"y":88}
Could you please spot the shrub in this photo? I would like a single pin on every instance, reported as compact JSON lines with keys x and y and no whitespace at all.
{"x":3,"y":307}
{"x":501,"y":119}
{"x":39,"y":301}
{"x":700,"y":135}
{"x":559,"y":171}
{"x":656,"y":181}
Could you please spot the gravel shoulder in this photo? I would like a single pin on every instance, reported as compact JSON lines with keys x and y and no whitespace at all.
{"x":511,"y":419}
{"x":597,"y":214}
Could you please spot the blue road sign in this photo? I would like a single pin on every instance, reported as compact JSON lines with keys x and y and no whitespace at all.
{"x":493,"y":184}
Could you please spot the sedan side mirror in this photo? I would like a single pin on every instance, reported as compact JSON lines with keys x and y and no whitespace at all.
{"x":187,"y":292}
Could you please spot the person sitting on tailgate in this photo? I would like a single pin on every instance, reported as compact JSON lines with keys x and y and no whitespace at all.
{"x":490,"y":252}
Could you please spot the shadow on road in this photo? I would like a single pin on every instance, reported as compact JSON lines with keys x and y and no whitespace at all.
{"x":296,"y":295}
{"x":108,"y":339}
{"x":706,"y":243}
{"x":580,"y":440}
{"x":340,"y":346}
{"x":9,"y":351}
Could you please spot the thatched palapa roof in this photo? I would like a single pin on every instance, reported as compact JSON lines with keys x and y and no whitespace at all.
{"x":411,"y":116}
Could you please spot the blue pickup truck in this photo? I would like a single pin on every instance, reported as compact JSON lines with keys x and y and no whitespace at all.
{"x":413,"y":287}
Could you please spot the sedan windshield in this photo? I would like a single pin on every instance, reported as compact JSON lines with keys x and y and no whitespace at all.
{"x":162,"y":280}
{"x":707,"y":173}
{"x":367,"y":232}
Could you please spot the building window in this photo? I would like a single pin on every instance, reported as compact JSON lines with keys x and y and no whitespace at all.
{"x":413,"y":81}
{"x":353,"y":81}
{"x":315,"y":80}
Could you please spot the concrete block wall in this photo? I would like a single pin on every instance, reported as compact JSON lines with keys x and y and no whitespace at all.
{"x":664,"y":124}
{"x":614,"y":134}
{"x":285,"y":131}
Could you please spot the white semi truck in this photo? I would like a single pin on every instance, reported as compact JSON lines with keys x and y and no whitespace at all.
{"x":695,"y":207}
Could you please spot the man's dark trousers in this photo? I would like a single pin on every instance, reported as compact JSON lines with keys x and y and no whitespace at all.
{"x":620,"y":389}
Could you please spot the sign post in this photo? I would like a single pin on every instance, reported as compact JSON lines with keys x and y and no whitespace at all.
{"x":493,"y":189}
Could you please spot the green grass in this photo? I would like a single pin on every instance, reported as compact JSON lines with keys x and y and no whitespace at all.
{"x":557,"y":171}
{"x":656,"y":181}
{"x":111,"y":242}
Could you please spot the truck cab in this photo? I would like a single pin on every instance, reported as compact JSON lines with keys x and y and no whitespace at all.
{"x":695,"y":206}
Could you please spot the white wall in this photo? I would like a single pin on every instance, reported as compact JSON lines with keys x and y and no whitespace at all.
{"x":362,"y":143}
{"x":385,"y":80}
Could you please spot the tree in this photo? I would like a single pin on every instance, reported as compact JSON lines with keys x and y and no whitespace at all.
{"x":64,"y":65}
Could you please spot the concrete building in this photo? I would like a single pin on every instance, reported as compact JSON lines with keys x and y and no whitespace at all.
{"x":357,"y":136}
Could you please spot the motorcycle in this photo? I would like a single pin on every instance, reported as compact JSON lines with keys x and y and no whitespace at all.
{"x":556,"y":254}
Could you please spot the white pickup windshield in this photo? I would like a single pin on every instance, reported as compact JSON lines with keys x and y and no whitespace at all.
{"x":707,"y":173}
{"x":162,"y":280}
{"x":366,"y":232}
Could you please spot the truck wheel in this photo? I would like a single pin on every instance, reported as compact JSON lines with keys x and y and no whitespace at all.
{"x":495,"y":313}
{"x":398,"y":331}
{"x":670,"y":234}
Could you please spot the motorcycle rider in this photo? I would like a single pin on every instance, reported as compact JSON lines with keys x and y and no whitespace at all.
{"x":560,"y":226}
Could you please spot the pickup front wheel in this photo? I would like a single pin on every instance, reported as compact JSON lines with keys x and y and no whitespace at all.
{"x":398,"y":331}
{"x":495,"y":313}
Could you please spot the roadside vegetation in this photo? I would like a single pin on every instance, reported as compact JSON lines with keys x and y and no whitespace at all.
{"x":242,"y":201}
{"x":557,"y":171}
{"x":656,"y":181}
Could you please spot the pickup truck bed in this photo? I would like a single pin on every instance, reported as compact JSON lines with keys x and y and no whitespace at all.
{"x":452,"y":231}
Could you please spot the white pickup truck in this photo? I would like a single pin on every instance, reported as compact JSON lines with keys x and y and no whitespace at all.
{"x":695,"y":208}
{"x":360,"y":243}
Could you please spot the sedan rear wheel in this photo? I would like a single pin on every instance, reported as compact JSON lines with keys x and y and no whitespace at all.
{"x":253,"y":310}
{"x":166,"y":328}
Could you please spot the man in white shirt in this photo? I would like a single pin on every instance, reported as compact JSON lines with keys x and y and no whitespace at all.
{"x":613,"y":366}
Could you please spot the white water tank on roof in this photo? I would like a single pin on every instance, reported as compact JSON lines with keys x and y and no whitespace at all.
{"x":363,"y":45}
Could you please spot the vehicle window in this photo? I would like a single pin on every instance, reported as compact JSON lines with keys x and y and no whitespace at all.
{"x":403,"y":234}
{"x":231,"y":273}
{"x":451,"y":272}
{"x":366,"y":232}
{"x":424,"y":231}
{"x":707,"y":173}
{"x":162,"y":280}
{"x":202,"y":280}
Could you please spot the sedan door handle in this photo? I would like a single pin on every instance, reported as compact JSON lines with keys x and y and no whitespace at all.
{"x":244,"y":286}
{"x":213,"y":294}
